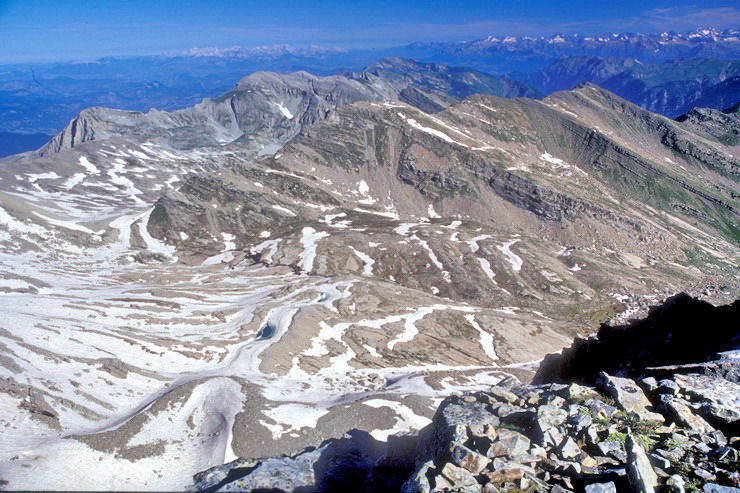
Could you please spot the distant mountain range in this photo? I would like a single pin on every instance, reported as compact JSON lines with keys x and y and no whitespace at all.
{"x":670,"y":88}
{"x":527,"y":54}
{"x":661,"y":72}
{"x":500,"y":54}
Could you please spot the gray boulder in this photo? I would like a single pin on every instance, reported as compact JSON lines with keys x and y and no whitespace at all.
{"x":677,"y":410}
{"x":547,"y":422}
{"x":628,"y":395}
{"x":720,"y":397}
{"x":468,"y":459}
{"x":509,"y":443}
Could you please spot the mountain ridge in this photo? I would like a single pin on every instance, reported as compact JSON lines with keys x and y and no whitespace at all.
{"x":201,"y":301}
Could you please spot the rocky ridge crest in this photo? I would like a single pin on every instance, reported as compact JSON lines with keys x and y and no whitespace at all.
{"x":668,"y":432}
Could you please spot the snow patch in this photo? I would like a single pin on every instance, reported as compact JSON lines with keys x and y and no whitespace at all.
{"x":513,"y":259}
{"x":308,"y":240}
{"x":285,"y":111}
{"x":367,"y":269}
{"x":90,"y":167}
{"x":486,"y":339}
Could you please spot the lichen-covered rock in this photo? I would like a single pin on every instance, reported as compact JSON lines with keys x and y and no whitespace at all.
{"x":549,"y":419}
{"x":418,"y":482}
{"x":505,"y":475}
{"x":569,"y":449}
{"x":678,"y":411}
{"x":720,"y":398}
{"x":451,"y":425}
{"x":468,"y":459}
{"x":509,"y":443}
{"x":628,"y":395}
{"x":462,"y":480}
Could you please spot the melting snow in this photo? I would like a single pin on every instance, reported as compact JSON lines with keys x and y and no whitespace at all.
{"x":367,"y":269}
{"x":270,"y":245}
{"x":152,"y":244}
{"x":74,"y":180}
{"x":406,"y":418}
{"x":486,"y":266}
{"x":286,"y":113}
{"x":514,"y":259}
{"x":486,"y":339}
{"x":67,"y":224}
{"x":434,"y":132}
{"x":90,"y":167}
{"x":364,"y":190}
{"x":33,"y":178}
{"x":474,"y":242}
{"x":283,"y":209}
{"x":308,"y":240}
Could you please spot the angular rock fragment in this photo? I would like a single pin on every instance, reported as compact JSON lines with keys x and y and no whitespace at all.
{"x":461,"y":479}
{"x":548,"y":419}
{"x":682,"y":414}
{"x":509,"y":443}
{"x":640,"y":473}
{"x":569,"y":449}
{"x":600,"y":409}
{"x":628,"y":395}
{"x":419,"y":481}
{"x":609,"y":487}
{"x":721,"y":398}
{"x":505,"y":475}
{"x":468,"y":459}
{"x":503,"y":395}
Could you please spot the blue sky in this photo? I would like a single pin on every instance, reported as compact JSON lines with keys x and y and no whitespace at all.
{"x":84,"y":29}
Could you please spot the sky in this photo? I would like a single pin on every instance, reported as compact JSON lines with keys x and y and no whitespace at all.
{"x":41,"y":30}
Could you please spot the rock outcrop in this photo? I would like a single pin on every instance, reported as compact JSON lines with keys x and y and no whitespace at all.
{"x":674,"y":434}
{"x":549,"y":437}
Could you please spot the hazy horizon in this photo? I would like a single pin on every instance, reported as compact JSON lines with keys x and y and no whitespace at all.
{"x":45,"y":31}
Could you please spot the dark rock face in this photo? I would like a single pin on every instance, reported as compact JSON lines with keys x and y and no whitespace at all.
{"x":684,"y":330}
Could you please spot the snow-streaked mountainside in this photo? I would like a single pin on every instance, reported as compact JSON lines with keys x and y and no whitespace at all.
{"x":303,"y":256}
